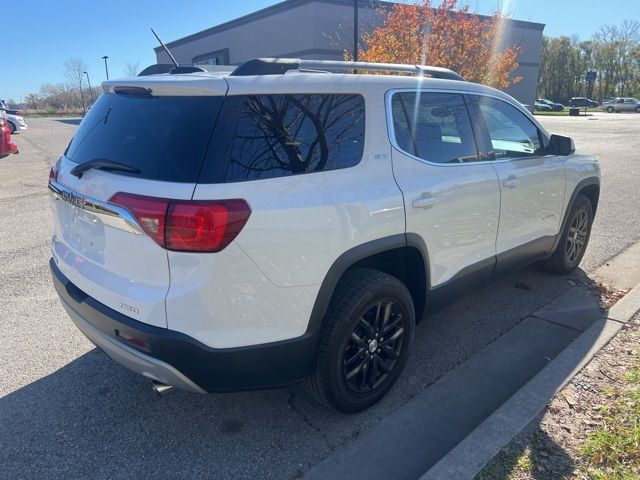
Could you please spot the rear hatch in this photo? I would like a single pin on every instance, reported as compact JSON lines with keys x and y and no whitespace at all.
{"x":145,"y":137}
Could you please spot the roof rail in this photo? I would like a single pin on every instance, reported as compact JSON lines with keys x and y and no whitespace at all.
{"x":278,"y":66}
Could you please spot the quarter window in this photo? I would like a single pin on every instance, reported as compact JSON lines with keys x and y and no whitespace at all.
{"x":267,"y":136}
{"x":433,"y":126}
{"x":512,"y":134}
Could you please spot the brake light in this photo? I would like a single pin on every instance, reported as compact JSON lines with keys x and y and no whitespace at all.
{"x":150,"y":212}
{"x":187,"y":225}
{"x":53,"y":172}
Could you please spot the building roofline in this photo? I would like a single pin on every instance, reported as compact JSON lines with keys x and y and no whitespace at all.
{"x":289,"y":4}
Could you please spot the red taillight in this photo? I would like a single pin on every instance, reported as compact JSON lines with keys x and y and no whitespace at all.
{"x":184,"y":225}
{"x":53,"y":172}
{"x":150,"y":213}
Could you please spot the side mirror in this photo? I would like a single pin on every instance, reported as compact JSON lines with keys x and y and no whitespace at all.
{"x":559,"y":145}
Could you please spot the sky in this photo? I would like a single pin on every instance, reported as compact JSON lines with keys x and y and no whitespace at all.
{"x":41,"y":34}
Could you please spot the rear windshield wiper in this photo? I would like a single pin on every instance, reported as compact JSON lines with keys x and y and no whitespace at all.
{"x":102,"y":164}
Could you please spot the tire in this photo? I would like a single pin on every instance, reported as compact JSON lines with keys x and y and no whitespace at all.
{"x":12,"y":128}
{"x":564,"y":259}
{"x":610,"y":109}
{"x":348,"y":341}
{"x":638,"y":109}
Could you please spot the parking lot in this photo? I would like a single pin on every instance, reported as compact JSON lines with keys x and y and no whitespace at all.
{"x":66,"y":410}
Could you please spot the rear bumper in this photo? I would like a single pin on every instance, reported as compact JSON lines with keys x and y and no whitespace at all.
{"x":176,"y":359}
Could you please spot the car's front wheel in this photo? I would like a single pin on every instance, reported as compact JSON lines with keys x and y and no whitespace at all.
{"x":610,"y":109}
{"x":638,"y":109}
{"x":573,"y":238}
{"x":12,"y":128}
{"x":365,"y":342}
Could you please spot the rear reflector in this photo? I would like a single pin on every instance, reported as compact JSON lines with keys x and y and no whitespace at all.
{"x":187,"y":225}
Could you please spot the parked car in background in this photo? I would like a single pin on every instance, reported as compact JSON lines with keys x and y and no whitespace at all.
{"x":542,"y":107}
{"x":16,"y":123}
{"x":582,"y":102}
{"x":622,"y":104}
{"x":5,"y":107}
{"x":556,"y":107}
{"x":7,"y":147}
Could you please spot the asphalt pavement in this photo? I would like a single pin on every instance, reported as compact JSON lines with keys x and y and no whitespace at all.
{"x":66,"y":410}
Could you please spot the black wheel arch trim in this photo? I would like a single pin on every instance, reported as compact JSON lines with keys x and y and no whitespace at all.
{"x":582,"y":184}
{"x":347,"y":259}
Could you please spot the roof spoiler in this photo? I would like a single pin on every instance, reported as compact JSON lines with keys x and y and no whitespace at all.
{"x":278,"y":66}
{"x":160,"y":68}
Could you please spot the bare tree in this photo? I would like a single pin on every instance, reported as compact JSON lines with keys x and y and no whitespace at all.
{"x":295,"y":133}
{"x":74,"y":68}
{"x":131,"y":69}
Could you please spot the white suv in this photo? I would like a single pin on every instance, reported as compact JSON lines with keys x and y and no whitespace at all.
{"x":278,"y":223}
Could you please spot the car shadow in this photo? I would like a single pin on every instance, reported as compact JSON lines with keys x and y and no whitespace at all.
{"x":69,"y":121}
{"x":93,"y":418}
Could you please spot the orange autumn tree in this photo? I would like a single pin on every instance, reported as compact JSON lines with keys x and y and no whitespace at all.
{"x":445,"y":36}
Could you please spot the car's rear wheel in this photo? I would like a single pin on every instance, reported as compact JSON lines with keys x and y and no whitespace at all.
{"x":573,"y":239}
{"x":12,"y":128}
{"x":610,"y":109}
{"x":365,"y":341}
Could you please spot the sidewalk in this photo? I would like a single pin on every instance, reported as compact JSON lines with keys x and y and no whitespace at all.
{"x":587,"y":430}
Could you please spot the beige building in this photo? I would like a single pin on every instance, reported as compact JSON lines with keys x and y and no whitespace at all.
{"x":323,"y":29}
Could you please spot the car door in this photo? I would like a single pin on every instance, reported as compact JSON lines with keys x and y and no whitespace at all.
{"x":451,"y":196}
{"x":629,"y":104}
{"x":532,"y":182}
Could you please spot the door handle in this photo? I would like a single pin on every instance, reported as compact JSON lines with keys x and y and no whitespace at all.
{"x":426,"y":200}
{"x":510,"y":182}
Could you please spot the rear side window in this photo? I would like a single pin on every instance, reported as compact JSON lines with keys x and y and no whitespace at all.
{"x":268,"y":136}
{"x":433,"y":126}
{"x":164,"y":137}
{"x":512,"y":134}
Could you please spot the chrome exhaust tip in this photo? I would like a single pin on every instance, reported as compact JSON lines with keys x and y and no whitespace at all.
{"x":160,"y":388}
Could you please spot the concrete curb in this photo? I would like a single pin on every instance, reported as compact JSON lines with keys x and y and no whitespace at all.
{"x":480,"y":446}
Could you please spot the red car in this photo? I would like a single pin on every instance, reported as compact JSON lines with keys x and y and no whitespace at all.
{"x":6,"y":145}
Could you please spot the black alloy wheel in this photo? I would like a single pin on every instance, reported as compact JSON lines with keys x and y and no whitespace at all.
{"x":573,"y":240}
{"x":374,"y":347}
{"x":365,"y":341}
{"x":576,"y":240}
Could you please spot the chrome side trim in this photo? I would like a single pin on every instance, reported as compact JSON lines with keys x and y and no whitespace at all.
{"x":112,"y":215}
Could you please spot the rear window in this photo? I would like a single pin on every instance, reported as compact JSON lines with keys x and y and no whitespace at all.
{"x":267,"y":136}
{"x":164,"y":137}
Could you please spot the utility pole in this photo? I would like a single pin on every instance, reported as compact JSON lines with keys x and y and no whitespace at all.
{"x":106,"y":69}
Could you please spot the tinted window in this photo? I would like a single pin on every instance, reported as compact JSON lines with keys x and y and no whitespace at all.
{"x":164,"y":137}
{"x":512,"y":134}
{"x":267,"y":136}
{"x":434,"y":127}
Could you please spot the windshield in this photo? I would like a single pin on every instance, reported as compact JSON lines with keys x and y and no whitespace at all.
{"x":165,"y":138}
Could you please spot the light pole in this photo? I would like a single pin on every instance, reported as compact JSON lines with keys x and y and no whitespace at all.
{"x":89,"y":82}
{"x":355,"y":32}
{"x":106,"y":69}
{"x":84,"y":110}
